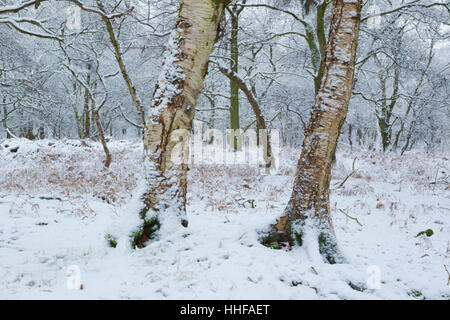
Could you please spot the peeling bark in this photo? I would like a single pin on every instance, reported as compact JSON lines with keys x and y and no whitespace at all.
{"x":170,"y":122}
{"x":307,"y":215}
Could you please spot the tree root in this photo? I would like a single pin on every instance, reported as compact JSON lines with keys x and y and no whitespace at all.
{"x":327,"y":243}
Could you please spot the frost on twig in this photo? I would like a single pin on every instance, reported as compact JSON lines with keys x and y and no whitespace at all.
{"x":348,"y":176}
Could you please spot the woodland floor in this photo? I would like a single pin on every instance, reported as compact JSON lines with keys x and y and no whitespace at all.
{"x":57,"y":205}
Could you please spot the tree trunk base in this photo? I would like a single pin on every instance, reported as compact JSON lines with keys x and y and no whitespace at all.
{"x":149,"y":228}
{"x":328,"y":248}
{"x":326,"y":240}
{"x":147,"y":231}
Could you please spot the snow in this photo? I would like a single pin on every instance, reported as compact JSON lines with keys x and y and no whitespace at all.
{"x":169,"y":80}
{"x":49,"y":226}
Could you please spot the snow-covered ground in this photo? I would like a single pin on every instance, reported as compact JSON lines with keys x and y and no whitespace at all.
{"x":57,"y":205}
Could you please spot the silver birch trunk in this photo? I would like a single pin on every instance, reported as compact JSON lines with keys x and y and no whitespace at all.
{"x":307,"y":216}
{"x":171,"y":115}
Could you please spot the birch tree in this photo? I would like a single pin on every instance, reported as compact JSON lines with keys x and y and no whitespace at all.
{"x":307,"y":218}
{"x":171,"y":116}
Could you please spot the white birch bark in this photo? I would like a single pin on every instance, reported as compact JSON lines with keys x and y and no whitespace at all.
{"x":308,"y":210}
{"x":172,"y":113}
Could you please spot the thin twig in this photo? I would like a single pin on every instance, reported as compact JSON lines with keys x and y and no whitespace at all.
{"x":350,"y":217}
{"x":351,"y":173}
